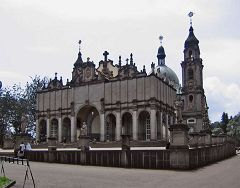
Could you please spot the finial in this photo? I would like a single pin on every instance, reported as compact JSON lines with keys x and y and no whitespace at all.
{"x":79,"y":42}
{"x":190,"y":15}
{"x":161,"y":39}
{"x":55,"y":75}
{"x":144,"y":68}
{"x":127,"y":60}
{"x":131,"y":58}
{"x":88,"y":59}
{"x":120,"y":60}
{"x":105,"y":54}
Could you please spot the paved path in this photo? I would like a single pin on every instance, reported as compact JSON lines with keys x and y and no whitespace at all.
{"x":219,"y":175}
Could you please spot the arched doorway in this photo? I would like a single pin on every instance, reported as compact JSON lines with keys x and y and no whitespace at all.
{"x":144,"y":132}
{"x":66,"y":130}
{"x":54,"y":128}
{"x":110,"y":127}
{"x":43,"y":131}
{"x":127,"y":123}
{"x":90,"y":116}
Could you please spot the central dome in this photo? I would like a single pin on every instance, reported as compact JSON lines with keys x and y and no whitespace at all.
{"x":165,"y":72}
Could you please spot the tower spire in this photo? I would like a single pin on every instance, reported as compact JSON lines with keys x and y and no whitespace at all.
{"x":161,"y":53}
{"x":79,"y":59}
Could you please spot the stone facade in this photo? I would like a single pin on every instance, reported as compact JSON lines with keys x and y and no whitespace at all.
{"x":112,"y":100}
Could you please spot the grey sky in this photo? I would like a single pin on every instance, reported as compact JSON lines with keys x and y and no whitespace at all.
{"x":41,"y":37}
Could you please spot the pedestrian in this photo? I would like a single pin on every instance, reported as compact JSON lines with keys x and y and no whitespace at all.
{"x":21,"y":150}
{"x":28,"y":147}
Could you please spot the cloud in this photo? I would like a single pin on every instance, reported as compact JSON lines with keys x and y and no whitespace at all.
{"x":222,"y":97}
{"x":9,"y":78}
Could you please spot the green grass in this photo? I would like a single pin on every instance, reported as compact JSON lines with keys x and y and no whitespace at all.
{"x":4,"y":181}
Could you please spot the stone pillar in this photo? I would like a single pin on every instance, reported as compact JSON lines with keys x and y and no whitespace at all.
{"x":37,"y":131}
{"x":171,"y":120}
{"x":135,"y":129}
{"x":153,"y":123}
{"x":60,"y":129}
{"x":73,"y":129}
{"x":102,"y":127}
{"x":48,"y":128}
{"x":118,"y":126}
{"x":166,"y":128}
{"x":161,"y":124}
{"x":178,"y":136}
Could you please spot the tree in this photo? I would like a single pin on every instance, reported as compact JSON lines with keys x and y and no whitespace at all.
{"x":224,"y":122}
{"x":16,"y":102}
{"x":30,"y":95}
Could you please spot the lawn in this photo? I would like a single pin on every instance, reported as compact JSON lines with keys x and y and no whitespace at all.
{"x":4,"y":181}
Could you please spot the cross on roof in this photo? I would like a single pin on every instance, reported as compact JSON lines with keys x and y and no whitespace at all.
{"x":105,"y":54}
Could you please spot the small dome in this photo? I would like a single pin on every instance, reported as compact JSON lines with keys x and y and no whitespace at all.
{"x":165,"y":72}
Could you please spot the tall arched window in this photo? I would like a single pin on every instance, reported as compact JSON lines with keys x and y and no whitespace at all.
{"x":190,"y":53}
{"x":190,"y":74}
{"x":190,"y":98}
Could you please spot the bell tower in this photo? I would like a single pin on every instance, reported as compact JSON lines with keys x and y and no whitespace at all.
{"x":195,"y":105}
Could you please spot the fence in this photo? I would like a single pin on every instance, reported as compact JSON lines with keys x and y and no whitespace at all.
{"x":17,"y":161}
{"x":148,"y":159}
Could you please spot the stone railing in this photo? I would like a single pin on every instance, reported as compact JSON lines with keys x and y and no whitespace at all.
{"x":203,"y":139}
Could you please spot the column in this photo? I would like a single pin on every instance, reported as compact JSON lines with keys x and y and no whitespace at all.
{"x":102,"y":127}
{"x":59,"y":129}
{"x":171,"y":120}
{"x":48,"y":128}
{"x":161,"y":124}
{"x":135,"y":130}
{"x":166,"y":128}
{"x":118,"y":126}
{"x":37,"y":131}
{"x":153,"y":123}
{"x":73,"y":129}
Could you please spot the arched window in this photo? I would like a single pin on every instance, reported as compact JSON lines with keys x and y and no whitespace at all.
{"x":190,"y":54}
{"x":190,"y":98}
{"x":190,"y":74}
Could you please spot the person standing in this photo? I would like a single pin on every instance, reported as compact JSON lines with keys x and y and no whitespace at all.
{"x":21,"y":150}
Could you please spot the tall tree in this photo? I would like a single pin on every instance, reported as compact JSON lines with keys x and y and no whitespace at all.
{"x":224,"y":122}
{"x":16,"y":102}
{"x":30,"y":95}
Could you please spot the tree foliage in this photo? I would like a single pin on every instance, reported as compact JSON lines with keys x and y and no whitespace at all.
{"x":230,"y":126}
{"x":224,"y":122}
{"x":16,"y":102}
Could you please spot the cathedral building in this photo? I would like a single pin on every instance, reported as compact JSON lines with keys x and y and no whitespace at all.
{"x":117,"y":98}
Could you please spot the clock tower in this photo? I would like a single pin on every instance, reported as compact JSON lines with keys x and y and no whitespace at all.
{"x":195,"y":108}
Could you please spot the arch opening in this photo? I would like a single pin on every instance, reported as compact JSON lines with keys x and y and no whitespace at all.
{"x":54,"y":129}
{"x":90,"y":116}
{"x":144,"y":132}
{"x":66,"y":130}
{"x":110,"y":127}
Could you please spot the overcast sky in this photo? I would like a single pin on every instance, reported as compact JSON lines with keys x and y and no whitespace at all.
{"x":41,"y":37}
